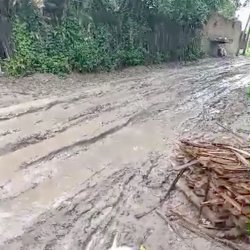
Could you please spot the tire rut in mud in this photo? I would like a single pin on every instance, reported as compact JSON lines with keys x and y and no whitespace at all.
{"x":108,"y":200}
{"x":74,"y":225}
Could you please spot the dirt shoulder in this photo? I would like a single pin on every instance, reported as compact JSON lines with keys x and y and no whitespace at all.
{"x":81,"y":156}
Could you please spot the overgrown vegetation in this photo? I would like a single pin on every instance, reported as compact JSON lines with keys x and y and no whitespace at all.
{"x":248,"y":50}
{"x":95,"y":35}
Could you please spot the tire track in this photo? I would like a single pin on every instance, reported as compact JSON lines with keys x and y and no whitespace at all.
{"x":88,"y":182}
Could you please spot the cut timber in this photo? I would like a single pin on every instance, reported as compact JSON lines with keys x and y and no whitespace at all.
{"x":206,"y":212}
{"x":189,"y":225}
{"x":189,"y":164}
{"x":219,"y":184}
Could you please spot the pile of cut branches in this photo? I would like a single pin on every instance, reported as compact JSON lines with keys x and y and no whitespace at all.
{"x":217,"y":181}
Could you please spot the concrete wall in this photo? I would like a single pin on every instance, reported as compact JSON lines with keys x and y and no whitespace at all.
{"x":219,"y":26}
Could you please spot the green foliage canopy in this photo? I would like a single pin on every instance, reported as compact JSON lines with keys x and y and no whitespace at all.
{"x":95,"y":35}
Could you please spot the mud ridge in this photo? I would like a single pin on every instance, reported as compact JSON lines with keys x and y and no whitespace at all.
{"x":83,"y":142}
{"x":82,"y":170}
{"x":39,"y":137}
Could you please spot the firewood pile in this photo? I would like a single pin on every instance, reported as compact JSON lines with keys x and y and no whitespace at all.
{"x":216,"y":179}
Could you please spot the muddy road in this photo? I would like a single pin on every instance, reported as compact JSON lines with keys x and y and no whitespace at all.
{"x":80,"y":157}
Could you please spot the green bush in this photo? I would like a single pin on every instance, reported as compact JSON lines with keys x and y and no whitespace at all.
{"x":83,"y":41}
{"x":67,"y":47}
{"x":131,"y":56}
{"x":30,"y":56}
{"x":248,"y":51}
{"x":24,"y":53}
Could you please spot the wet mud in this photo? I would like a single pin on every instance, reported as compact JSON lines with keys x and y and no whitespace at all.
{"x":81,"y":156}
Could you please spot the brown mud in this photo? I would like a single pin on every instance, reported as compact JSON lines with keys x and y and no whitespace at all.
{"x":81,"y":156}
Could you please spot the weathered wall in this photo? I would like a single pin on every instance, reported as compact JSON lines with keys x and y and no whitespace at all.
{"x":219,"y":26}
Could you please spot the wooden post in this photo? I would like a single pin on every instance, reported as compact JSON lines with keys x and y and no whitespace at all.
{"x":246,"y":35}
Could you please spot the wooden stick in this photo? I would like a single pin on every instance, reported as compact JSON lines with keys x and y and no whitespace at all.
{"x":189,"y":164}
{"x":247,"y":154}
{"x":172,"y":186}
{"x":202,"y":233}
{"x":168,"y":222}
{"x":206,"y":212}
{"x":182,"y":171}
{"x":231,"y":131}
{"x":206,"y":192}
